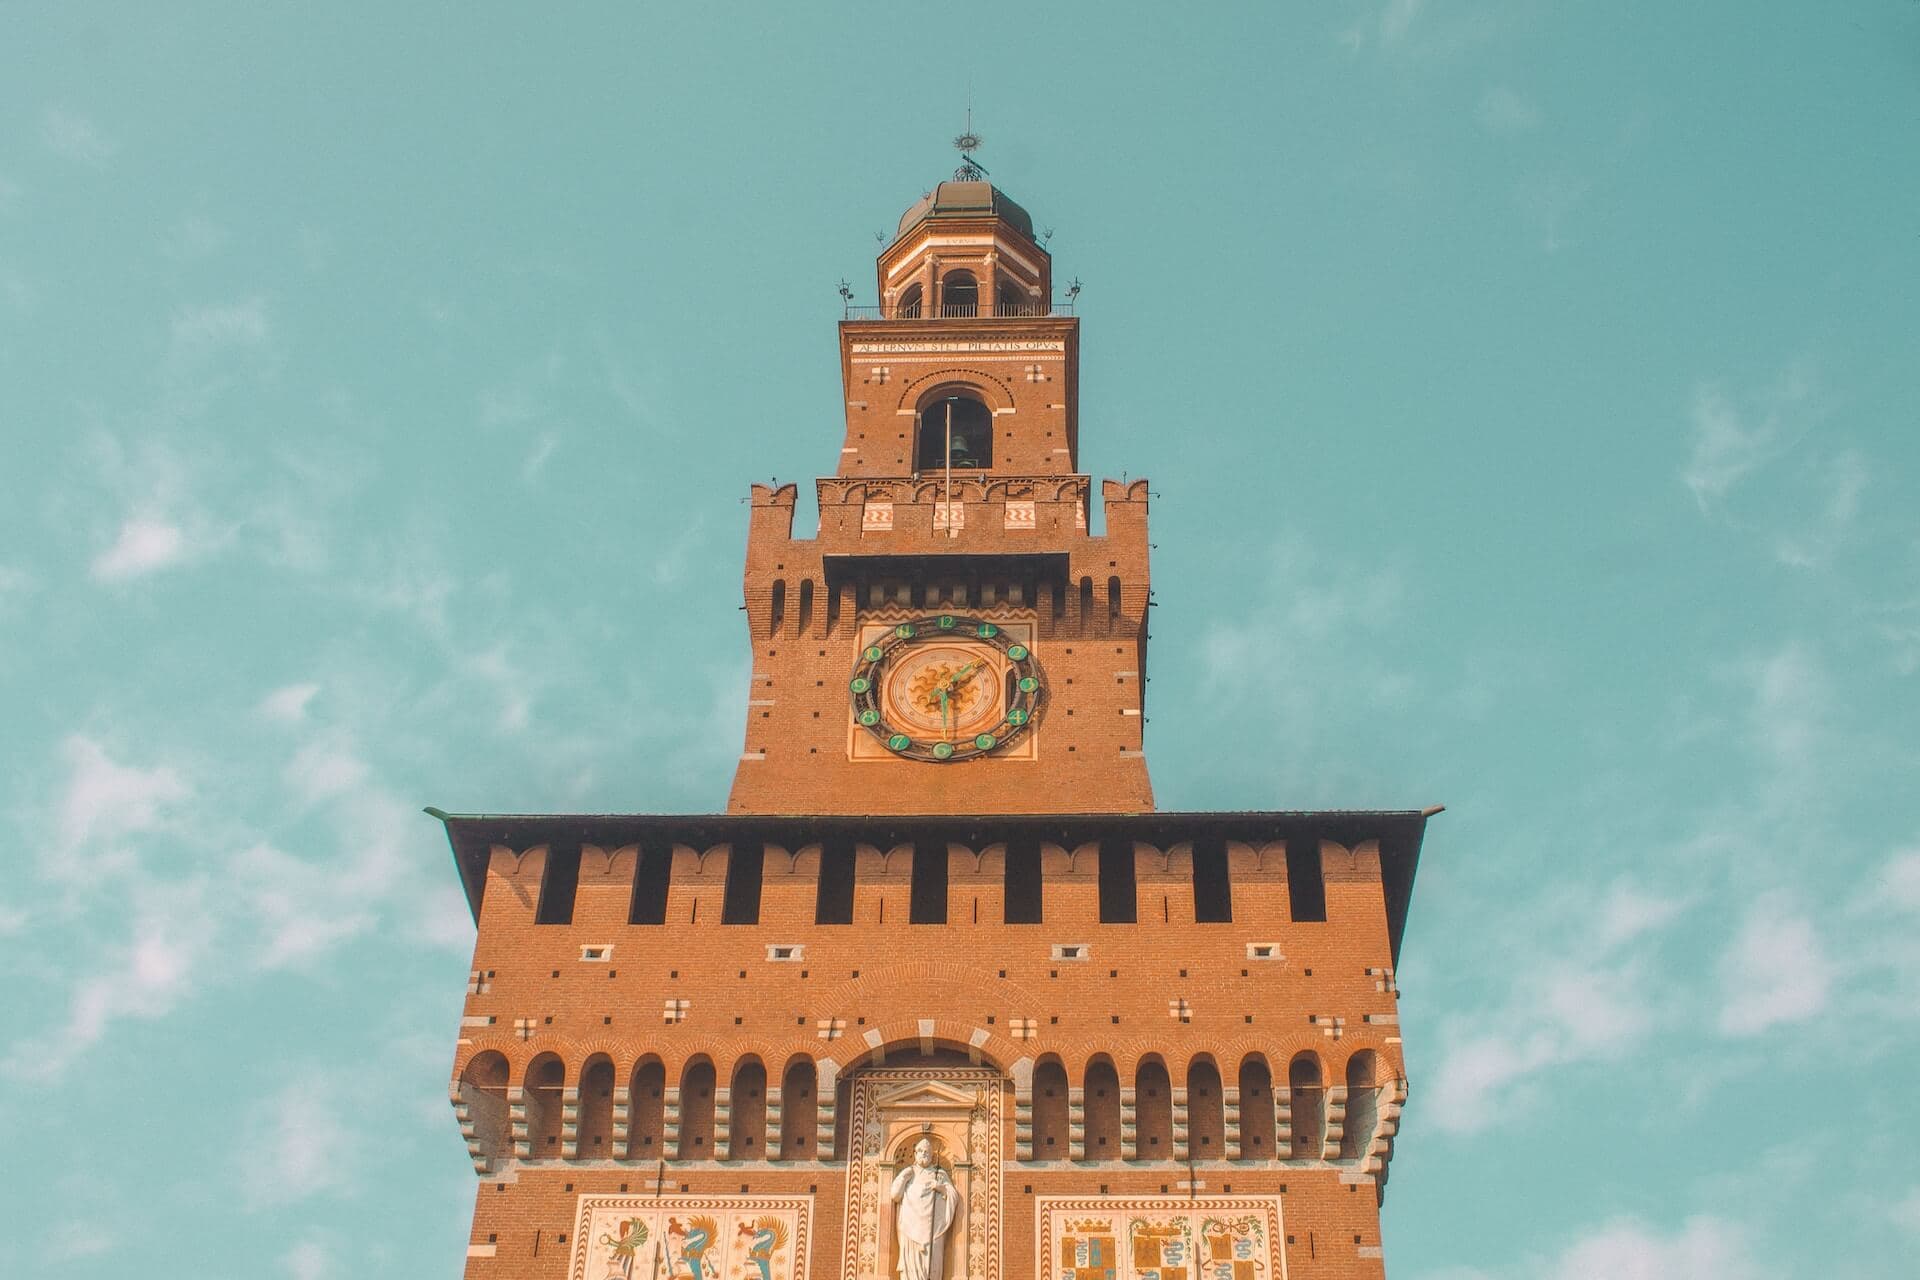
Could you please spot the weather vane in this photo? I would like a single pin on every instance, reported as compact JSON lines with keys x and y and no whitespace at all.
{"x":968,"y":143}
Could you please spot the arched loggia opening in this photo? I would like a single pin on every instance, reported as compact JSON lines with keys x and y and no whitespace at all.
{"x":646,"y":1110}
{"x":799,"y":1109}
{"x":1050,"y":1110}
{"x":594,"y":1141}
{"x":545,"y":1080}
{"x":1363,"y":1105}
{"x":483,"y":1090}
{"x":972,"y":434}
{"x":747,"y":1128}
{"x":1308,"y":1105}
{"x":1206,"y":1113}
{"x":1153,"y":1111}
{"x":909,"y":305}
{"x":1101,"y":1096}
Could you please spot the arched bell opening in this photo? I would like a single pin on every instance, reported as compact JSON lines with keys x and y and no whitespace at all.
{"x":954,"y":425}
{"x":959,"y":295}
{"x":910,"y":304}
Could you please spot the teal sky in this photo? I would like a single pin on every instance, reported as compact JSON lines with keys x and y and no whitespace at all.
{"x":1530,"y":395}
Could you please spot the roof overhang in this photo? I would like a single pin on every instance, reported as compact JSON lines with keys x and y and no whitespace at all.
{"x":1399,"y":831}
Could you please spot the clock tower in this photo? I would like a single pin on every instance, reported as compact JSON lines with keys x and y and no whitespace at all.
{"x":954,"y":637}
{"x":941,"y":993}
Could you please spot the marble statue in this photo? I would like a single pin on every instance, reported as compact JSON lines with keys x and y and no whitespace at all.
{"x":927,"y":1200}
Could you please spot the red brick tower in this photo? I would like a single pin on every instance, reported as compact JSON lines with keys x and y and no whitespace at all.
{"x":940,"y":906}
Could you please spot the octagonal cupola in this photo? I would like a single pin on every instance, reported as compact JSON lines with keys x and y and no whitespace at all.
{"x":964,"y":249}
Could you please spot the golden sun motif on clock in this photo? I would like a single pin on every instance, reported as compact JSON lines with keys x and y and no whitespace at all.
{"x":945,"y":688}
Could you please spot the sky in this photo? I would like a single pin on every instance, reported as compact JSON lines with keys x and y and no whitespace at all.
{"x":1528,"y":392}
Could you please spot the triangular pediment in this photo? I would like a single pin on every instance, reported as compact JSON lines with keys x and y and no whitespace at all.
{"x":927,"y":1095}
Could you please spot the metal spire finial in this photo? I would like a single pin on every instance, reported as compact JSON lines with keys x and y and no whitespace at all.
{"x":967,"y":143}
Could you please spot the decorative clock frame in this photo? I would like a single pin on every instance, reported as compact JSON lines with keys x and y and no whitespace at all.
{"x":1019,"y":710}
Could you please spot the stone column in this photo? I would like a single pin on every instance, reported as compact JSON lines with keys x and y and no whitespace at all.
{"x":1129,"y":1126}
{"x":1076,"y":1124}
{"x":1230,"y":1107}
{"x":1180,"y":1124}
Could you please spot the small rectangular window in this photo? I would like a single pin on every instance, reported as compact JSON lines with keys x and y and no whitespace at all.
{"x":652,"y":871}
{"x":1118,"y":898}
{"x":833,"y":899}
{"x":740,"y":903}
{"x":1306,"y":880}
{"x":557,"y":885}
{"x":928,"y":901}
{"x":1021,"y":882}
{"x":1212,"y":889}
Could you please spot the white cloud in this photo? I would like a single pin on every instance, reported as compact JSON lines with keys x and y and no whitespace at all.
{"x":76,"y":138}
{"x":1775,"y":972}
{"x":295,"y":1145}
{"x":1504,"y":111}
{"x":309,"y":1260}
{"x":1627,"y":912}
{"x":143,"y":979}
{"x":1840,"y":482}
{"x":1730,"y":444}
{"x":1397,"y":17}
{"x":145,"y":544}
{"x":1571,"y":1013}
{"x":222,"y":325}
{"x":1905,"y":1211}
{"x":288,"y":703}
{"x":537,"y":457}
{"x":302,"y":910}
{"x":324,"y":769}
{"x":78,"y":1238}
{"x":1630,"y":1250}
{"x":105,"y":800}
{"x":1900,"y":882}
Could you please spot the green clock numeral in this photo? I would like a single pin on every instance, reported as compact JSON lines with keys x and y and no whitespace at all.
{"x":943,"y":751}
{"x":904,"y":631}
{"x":1028,"y":684}
{"x":1018,"y":652}
{"x":1016,"y":717}
{"x":985,"y":741}
{"x":873,"y":653}
{"x":869,"y":717}
{"x":987,"y":631}
{"x":946,"y":622}
{"x":899,"y":742}
{"x":859,"y":684}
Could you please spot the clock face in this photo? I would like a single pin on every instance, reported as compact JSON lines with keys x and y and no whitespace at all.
{"x":945,"y":688}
